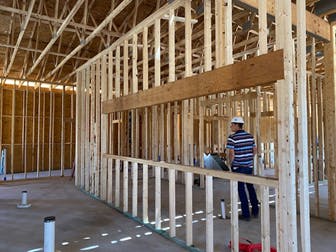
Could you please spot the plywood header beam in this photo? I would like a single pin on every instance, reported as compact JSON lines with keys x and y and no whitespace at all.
{"x":255,"y":71}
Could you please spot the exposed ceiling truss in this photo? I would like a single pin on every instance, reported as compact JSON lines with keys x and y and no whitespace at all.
{"x":48,"y":39}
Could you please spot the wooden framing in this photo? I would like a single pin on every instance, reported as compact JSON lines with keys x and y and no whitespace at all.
{"x":208,"y":179}
{"x":219,"y":80}
{"x":330,"y":124}
{"x":13,"y":130}
{"x":314,"y":128}
{"x":164,"y":122}
{"x":168,"y":95}
{"x":62,"y":132}
{"x":104,"y":130}
{"x":110,"y":88}
{"x":315,"y":25}
{"x":50,"y":130}
{"x":39,"y":131}
{"x":286,"y":149}
{"x":87,"y":147}
{"x":22,"y":31}
{"x":29,"y":134}
{"x":266,"y":181}
{"x":302,"y":133}
{"x":79,"y":115}
{"x":264,"y":191}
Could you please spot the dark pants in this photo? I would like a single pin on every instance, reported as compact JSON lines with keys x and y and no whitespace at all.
{"x":243,"y":196}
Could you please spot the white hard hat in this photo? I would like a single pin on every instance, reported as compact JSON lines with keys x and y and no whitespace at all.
{"x":237,"y":119}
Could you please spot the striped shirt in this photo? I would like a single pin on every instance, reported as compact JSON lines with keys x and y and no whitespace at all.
{"x":242,"y":143}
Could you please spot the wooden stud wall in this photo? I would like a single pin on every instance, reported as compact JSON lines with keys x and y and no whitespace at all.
{"x":32,"y":145}
{"x":177,"y":128}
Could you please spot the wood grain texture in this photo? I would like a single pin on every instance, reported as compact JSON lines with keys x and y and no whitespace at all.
{"x":260,"y":70}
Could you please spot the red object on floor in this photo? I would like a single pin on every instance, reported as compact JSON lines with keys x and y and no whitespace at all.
{"x":248,"y":246}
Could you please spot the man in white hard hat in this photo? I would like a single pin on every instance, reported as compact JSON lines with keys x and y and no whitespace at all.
{"x":242,"y":148}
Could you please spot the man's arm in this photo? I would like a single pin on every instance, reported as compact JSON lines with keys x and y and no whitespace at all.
{"x":231,"y":156}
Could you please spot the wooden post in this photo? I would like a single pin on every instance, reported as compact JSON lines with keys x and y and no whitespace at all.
{"x":209,"y":179}
{"x":13,"y":129}
{"x":104,"y":131}
{"x":50,"y":128}
{"x":157,"y":197}
{"x":168,"y":133}
{"x":117,"y":166}
{"x":97,"y":164}
{"x":145,"y":87}
{"x":87,"y":135}
{"x":33,"y":133}
{"x":125,"y":121}
{"x":111,"y":133}
{"x":314,"y":130}
{"x":125,"y":64}
{"x":79,"y":97}
{"x":302,"y":125}
{"x":83,"y":111}
{"x":92,"y":127}
{"x":219,"y":44}
{"x":43,"y":130}
{"x":209,"y":214}
{"x":234,"y":215}
{"x":320,"y":130}
{"x":157,"y":80}
{"x":264,"y":191}
{"x":187,"y":127}
{"x":23,"y":135}
{"x":286,"y":144}
{"x":62,"y":131}
{"x":309,"y":167}
{"x":171,"y":77}
{"x":329,"y":105}
{"x":135,"y":131}
{"x":71,"y":160}
{"x":176,"y":134}
{"x":25,"y":130}
{"x":38,"y":131}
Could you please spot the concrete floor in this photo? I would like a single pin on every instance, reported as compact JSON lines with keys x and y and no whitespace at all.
{"x":83,"y":223}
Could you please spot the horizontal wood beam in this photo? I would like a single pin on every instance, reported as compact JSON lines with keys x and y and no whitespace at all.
{"x":260,"y":70}
{"x":263,"y":114}
{"x":315,"y":25}
{"x":258,"y":180}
